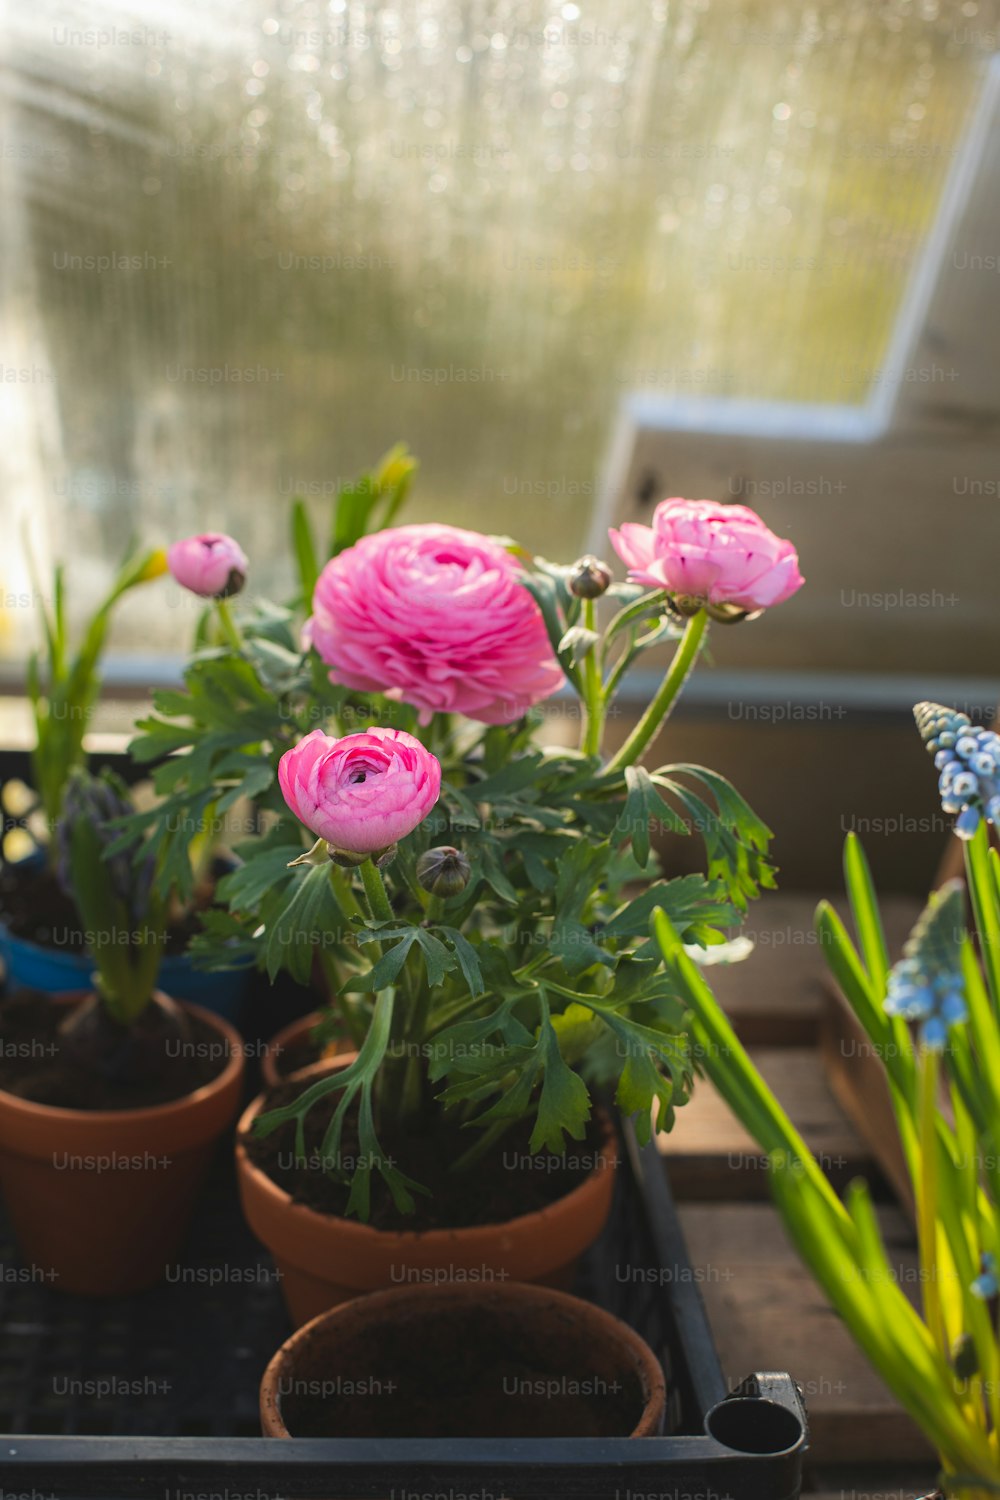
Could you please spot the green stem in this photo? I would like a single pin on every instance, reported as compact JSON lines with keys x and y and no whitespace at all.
{"x":433,"y":911}
{"x":345,"y":898}
{"x":593,"y":690}
{"x":351,"y":1017}
{"x":378,"y":896}
{"x":411,"y":1036}
{"x":927,"y":1199}
{"x":230,"y":633}
{"x":392,"y":1096}
{"x":473,"y":1002}
{"x":487,"y":1138}
{"x":658,"y":711}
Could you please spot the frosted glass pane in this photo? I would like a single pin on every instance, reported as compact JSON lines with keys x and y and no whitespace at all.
{"x":248,"y":244}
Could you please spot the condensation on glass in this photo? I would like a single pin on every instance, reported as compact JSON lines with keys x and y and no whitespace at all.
{"x":247,"y":244}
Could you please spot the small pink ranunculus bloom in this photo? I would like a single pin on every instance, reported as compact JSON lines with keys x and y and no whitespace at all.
{"x":212,"y":565}
{"x":434,"y":616}
{"x":361,"y":793}
{"x":718,"y":554}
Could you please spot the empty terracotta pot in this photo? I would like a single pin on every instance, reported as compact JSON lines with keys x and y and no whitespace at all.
{"x":324,"y":1260}
{"x":100,"y":1200}
{"x":464,"y":1361}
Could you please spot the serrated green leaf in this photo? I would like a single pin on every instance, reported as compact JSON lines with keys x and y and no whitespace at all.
{"x":564,"y":1103}
{"x":643,"y":805}
{"x":468,"y":959}
{"x":387,"y":969}
{"x":311,"y":911}
{"x":437,"y":958}
{"x":690,"y":901}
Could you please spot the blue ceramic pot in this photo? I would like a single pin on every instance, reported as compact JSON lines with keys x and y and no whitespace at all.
{"x":30,"y":966}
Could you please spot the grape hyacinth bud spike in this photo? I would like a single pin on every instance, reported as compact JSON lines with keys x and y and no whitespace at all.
{"x":102,"y":800}
{"x":926,"y":985}
{"x":968,"y":759}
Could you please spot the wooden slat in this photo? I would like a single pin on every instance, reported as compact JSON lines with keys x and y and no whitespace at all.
{"x":774,"y":997}
{"x":766,"y":1312}
{"x":711,"y":1156}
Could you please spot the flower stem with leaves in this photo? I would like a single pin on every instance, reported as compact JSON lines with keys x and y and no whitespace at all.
{"x":659,"y":708}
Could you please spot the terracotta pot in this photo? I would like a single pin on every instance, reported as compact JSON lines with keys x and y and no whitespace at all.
{"x":290,"y":1036}
{"x":100,"y":1199}
{"x":324,"y":1260}
{"x":464,"y":1361}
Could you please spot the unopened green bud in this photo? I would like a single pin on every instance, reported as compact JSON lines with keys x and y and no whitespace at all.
{"x":589,"y":577}
{"x":443,"y":871}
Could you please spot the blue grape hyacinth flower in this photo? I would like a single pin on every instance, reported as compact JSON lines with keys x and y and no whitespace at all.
{"x":986,"y":1285}
{"x":968,"y":759}
{"x":926,"y":985}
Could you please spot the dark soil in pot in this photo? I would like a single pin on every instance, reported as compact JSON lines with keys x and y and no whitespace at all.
{"x":504,"y":1363}
{"x":37,"y":1065}
{"x":508,"y":1180}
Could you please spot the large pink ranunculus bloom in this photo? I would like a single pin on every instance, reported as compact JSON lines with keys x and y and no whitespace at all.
{"x":720,"y":554}
{"x":361,"y":793}
{"x":436,"y":617}
{"x":212,"y":564}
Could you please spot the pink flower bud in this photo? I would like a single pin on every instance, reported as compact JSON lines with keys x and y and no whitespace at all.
{"x":363,"y":792}
{"x":212,"y":565}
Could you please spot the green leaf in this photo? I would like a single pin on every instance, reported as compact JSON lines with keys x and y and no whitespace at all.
{"x":633,"y":614}
{"x":468,"y":959}
{"x":437,"y":958}
{"x":257,"y":779}
{"x":577,"y":643}
{"x":544,"y":589}
{"x":736,"y":840}
{"x":387,"y":969}
{"x":564,"y":1103}
{"x":304,"y":548}
{"x":223,"y":943}
{"x":864,"y":908}
{"x":643,"y":804}
{"x":358,"y":505}
{"x":266,"y":866}
{"x":577,"y":947}
{"x":491,"y":870}
{"x":290,"y":940}
{"x":580,"y":872}
{"x":461,"y":1047}
{"x":641,"y":1083}
{"x":690,"y":901}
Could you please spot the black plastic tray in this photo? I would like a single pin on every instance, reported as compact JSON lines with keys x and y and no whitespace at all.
{"x":156,"y":1395}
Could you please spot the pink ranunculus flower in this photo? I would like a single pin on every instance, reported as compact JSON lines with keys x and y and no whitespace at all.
{"x":361,"y":793}
{"x":212,"y":565}
{"x":434,"y":616}
{"x":716,"y":554}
